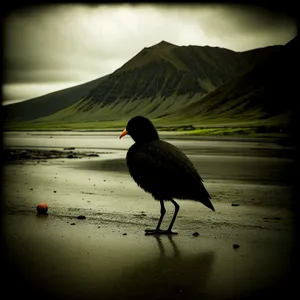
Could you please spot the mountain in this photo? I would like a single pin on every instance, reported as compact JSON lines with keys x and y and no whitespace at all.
{"x":159,"y":81}
{"x":267,"y":92}
{"x":259,"y":55}
{"x":48,"y":104}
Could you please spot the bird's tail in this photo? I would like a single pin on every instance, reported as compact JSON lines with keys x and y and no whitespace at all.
{"x":205,"y":200}
{"x":208,"y":204}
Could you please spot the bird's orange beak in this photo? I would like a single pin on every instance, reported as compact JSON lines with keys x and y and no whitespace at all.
{"x":123,"y":133}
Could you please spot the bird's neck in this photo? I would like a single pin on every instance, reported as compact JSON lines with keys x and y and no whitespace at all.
{"x":146,"y":138}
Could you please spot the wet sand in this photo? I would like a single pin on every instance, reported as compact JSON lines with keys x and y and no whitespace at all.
{"x":107,"y":255}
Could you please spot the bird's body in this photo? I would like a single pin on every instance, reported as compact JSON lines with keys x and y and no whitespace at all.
{"x":162,"y":169}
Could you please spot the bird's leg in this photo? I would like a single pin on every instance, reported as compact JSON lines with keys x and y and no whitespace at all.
{"x":177,"y":207}
{"x":162,"y":213}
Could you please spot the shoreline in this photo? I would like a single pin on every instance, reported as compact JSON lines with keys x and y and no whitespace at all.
{"x":107,"y":255}
{"x":177,"y":133}
{"x":283,"y":140}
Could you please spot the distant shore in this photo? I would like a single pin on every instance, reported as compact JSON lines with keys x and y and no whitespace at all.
{"x":239,"y":129}
{"x":282,"y":139}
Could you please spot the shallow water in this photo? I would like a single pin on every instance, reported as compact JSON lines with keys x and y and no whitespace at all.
{"x":255,"y":161}
{"x":249,"y":167}
{"x":110,"y":140}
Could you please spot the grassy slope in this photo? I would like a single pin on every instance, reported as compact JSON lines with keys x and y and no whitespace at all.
{"x":226,"y":106}
{"x":237,"y":104}
{"x":162,"y":78}
{"x":262,"y":96}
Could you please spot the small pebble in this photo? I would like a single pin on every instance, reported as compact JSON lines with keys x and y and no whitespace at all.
{"x":196,"y":233}
{"x":235,"y":204}
{"x":236,"y":246}
{"x":81,"y":217}
{"x":124,"y":233}
{"x":73,"y":223}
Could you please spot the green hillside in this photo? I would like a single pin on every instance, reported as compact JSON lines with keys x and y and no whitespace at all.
{"x":174,"y":86}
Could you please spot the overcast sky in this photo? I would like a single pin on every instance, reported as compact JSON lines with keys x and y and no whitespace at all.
{"x":49,"y":48}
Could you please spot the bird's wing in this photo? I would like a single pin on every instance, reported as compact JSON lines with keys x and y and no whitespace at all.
{"x":164,"y":171}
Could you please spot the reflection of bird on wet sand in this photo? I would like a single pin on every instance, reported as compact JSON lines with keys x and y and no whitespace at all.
{"x":171,"y":275}
{"x":162,"y":169}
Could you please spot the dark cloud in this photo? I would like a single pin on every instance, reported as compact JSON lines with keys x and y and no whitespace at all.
{"x":248,"y":20}
{"x":78,"y":43}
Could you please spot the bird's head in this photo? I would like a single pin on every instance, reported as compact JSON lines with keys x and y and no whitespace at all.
{"x":141,"y":130}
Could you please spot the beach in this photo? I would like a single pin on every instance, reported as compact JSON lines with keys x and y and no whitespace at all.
{"x":92,"y":244}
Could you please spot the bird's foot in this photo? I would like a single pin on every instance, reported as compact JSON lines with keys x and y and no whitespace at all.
{"x":159,"y":231}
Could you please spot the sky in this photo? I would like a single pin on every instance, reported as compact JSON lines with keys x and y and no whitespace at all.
{"x":49,"y":48}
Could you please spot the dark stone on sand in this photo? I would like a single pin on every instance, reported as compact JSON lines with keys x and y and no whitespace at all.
{"x":140,"y":215}
{"x":125,"y":233}
{"x":54,"y":191}
{"x":70,"y":148}
{"x":236,"y":246}
{"x":81,"y":217}
{"x":22,"y":155}
{"x":272,"y":218}
{"x":73,"y":223}
{"x":196,"y":233}
{"x":235,"y":204}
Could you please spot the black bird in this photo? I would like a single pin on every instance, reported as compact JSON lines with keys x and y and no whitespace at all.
{"x":162,"y":169}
